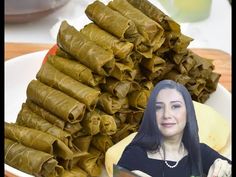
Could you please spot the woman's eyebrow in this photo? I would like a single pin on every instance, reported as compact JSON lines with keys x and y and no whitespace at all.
{"x":158,"y":102}
{"x":177,"y":102}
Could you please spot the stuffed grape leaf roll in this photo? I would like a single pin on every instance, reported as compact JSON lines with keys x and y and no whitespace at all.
{"x":91,"y":122}
{"x":37,"y":139}
{"x":102,"y":142}
{"x":92,"y":163}
{"x":30,"y":160}
{"x":55,"y":101}
{"x":87,"y":52}
{"x":60,"y":81}
{"x":113,"y":22}
{"x":148,"y":28}
{"x":156,"y":14}
{"x":120,"y":49}
{"x":76,"y":70}
{"x":28,"y":118}
{"x":64,"y":125}
{"x":45,"y":114}
{"x":117,"y":88}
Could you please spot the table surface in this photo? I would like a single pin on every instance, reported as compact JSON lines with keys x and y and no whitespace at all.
{"x":221,"y":60}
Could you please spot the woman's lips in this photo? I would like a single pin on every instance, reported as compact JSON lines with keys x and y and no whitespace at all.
{"x":167,"y":125}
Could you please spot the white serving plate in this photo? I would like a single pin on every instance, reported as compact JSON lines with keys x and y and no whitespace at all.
{"x":21,"y":70}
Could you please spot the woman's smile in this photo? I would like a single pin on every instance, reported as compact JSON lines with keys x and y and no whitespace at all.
{"x":168,"y":125}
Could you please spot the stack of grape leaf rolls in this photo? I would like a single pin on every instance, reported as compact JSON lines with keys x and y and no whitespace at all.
{"x":92,"y":93}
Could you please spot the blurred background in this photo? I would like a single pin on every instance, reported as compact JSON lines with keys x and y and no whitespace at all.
{"x":28,"y":10}
{"x":37,"y":21}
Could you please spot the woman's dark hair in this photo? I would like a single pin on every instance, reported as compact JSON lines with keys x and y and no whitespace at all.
{"x":149,"y":136}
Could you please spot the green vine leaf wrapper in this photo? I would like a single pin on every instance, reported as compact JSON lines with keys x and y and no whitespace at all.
{"x":156,"y":14}
{"x":87,"y":52}
{"x":120,"y":49}
{"x":149,"y":29}
{"x":117,"y":88}
{"x":76,"y":70}
{"x":91,"y":122}
{"x":109,"y":104}
{"x":38,"y":140}
{"x":45,"y":114}
{"x":28,"y":118}
{"x":56,"y":79}
{"x":108,"y":124}
{"x":83,"y":142}
{"x":64,"y":125}
{"x":102,"y":142}
{"x":20,"y":156}
{"x":75,"y":171}
{"x":123,"y":72}
{"x":114,"y":23}
{"x":55,"y":101}
{"x":92,"y":163}
{"x":138,"y":99}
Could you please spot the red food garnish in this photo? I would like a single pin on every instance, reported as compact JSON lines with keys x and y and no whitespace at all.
{"x":51,"y":51}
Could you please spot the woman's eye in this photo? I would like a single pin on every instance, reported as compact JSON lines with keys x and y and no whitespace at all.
{"x":176,"y":106}
{"x":158,"y":107}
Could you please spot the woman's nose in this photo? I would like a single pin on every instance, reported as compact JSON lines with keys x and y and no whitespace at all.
{"x":167,"y":113}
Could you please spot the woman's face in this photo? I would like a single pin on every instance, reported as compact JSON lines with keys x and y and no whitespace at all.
{"x":171,"y":113}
